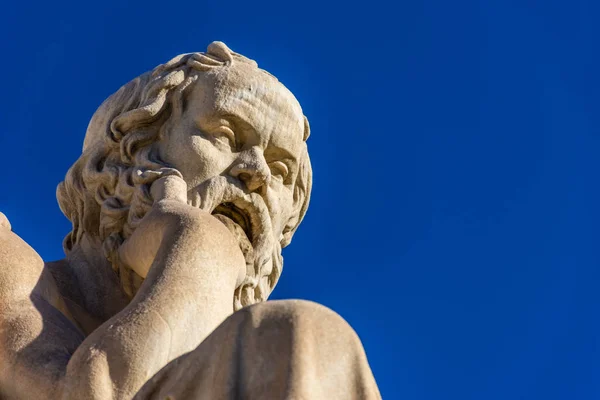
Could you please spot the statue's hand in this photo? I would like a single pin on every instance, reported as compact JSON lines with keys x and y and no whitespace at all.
{"x":173,"y":229}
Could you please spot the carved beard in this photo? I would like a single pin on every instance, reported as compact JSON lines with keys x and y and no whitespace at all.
{"x":247,"y":217}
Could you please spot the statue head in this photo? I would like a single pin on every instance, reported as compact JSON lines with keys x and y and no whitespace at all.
{"x":232,"y":131}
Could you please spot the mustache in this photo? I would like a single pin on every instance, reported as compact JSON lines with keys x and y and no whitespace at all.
{"x":227,"y":189}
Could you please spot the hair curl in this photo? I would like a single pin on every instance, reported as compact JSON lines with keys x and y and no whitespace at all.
{"x":106,"y":192}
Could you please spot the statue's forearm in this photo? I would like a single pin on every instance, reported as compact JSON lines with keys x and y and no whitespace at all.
{"x":184,"y":297}
{"x":117,"y":358}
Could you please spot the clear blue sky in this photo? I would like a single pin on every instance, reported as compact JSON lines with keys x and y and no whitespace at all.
{"x":454,"y":220}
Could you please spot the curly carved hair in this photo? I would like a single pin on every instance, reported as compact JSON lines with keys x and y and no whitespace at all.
{"x":106,"y":192}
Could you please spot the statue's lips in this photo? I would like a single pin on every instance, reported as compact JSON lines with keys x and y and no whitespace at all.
{"x":245,"y":214}
{"x":239,"y":223}
{"x":237,"y":215}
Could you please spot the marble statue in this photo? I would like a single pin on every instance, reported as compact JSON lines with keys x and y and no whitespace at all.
{"x":192,"y":179}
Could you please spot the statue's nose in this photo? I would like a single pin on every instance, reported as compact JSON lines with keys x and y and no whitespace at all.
{"x":252,"y":169}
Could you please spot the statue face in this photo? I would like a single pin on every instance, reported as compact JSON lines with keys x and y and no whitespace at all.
{"x":237,"y":144}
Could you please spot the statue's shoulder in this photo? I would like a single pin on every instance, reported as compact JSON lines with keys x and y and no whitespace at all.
{"x":20,"y":265}
{"x":23,"y":273}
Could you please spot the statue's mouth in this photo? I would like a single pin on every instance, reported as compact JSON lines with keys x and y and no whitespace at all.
{"x":239,"y":223}
{"x":246,"y":215}
{"x":237,"y":215}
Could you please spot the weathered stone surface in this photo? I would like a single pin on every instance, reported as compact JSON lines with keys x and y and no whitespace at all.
{"x":192,"y":178}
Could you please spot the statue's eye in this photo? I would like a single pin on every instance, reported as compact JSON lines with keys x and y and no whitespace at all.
{"x":225,"y":136}
{"x":279,"y":170}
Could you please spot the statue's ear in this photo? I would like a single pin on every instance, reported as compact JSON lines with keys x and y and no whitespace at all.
{"x":302,"y":189}
{"x":306,"y":129}
{"x":286,"y":236}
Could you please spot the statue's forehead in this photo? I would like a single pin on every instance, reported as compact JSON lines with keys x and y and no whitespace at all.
{"x":257,"y":98}
{"x":242,"y":87}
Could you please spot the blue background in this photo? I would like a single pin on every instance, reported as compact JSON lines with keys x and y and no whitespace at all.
{"x":454,"y":218}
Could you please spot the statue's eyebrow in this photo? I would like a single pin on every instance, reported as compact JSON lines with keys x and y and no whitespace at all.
{"x":237,"y":122}
{"x":283,"y":153}
{"x":241,"y":126}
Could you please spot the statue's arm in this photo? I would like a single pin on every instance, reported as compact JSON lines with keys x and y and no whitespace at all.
{"x":187,"y":293}
{"x":42,"y":353}
{"x":193,"y":265}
